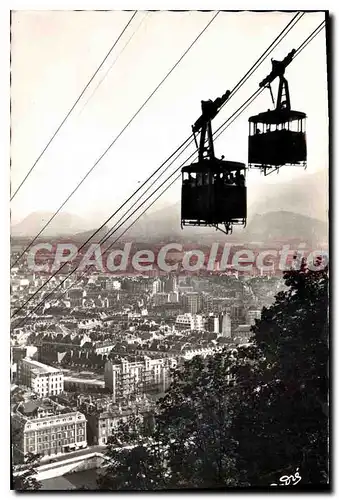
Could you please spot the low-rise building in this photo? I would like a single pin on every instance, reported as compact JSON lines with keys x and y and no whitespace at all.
{"x":104,"y":347}
{"x":243,"y":333}
{"x":102,"y":425}
{"x":252,"y":314}
{"x":79,"y":384}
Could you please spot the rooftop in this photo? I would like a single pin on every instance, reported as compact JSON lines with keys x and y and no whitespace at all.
{"x":78,"y":380}
{"x":40,"y":367}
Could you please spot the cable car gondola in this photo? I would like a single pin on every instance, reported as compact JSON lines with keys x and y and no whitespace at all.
{"x":277,"y":137}
{"x":213,"y":190}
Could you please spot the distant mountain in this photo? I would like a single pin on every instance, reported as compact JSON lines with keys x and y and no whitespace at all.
{"x":276,"y":226}
{"x":302,"y":204}
{"x":63,"y":224}
{"x":295,"y":210}
{"x":284,"y":227}
{"x":306,"y":195}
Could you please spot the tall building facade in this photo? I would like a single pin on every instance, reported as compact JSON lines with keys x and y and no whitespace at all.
{"x":212,"y":323}
{"x":225,"y":325}
{"x":171,"y":283}
{"x":220,"y":324}
{"x":193,"y":302}
{"x":157,"y":286}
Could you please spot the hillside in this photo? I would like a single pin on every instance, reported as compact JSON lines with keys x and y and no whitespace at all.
{"x":63,"y":224}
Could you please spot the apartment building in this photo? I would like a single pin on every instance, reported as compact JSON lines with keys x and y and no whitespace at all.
{"x":133,"y":376}
{"x":47,"y":428}
{"x":189,"y":321}
{"x":44,"y":380}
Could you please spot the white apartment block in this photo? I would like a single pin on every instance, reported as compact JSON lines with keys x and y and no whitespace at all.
{"x":126,"y":378}
{"x":44,"y":380}
{"x":190,"y":321}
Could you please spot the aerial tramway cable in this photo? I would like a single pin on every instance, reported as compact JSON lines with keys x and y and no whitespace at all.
{"x":115,"y":140}
{"x":220,"y":129}
{"x":113,"y":63}
{"x":71,"y":109}
{"x":104,"y":239}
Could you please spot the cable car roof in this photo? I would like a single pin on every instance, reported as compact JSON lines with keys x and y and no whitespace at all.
{"x":274,"y":117}
{"x":214,"y":166}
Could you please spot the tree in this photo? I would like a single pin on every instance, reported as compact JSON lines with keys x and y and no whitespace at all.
{"x":280,"y":399}
{"x":132,"y":459}
{"x":245,"y":416}
{"x":193,"y":424}
{"x":190,"y":446}
{"x":128,"y":432}
{"x":26,"y":478}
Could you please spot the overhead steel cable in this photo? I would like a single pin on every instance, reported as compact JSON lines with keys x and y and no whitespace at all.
{"x":104,"y":239}
{"x":116,"y":138}
{"x":220,"y":129}
{"x":237,"y":87}
{"x":96,"y":232}
{"x":253,"y":68}
{"x":268,"y":51}
{"x":244,"y":105}
{"x":253,"y":96}
{"x":310,"y":38}
{"x":218,"y":132}
{"x":113,"y":63}
{"x":75,"y":103}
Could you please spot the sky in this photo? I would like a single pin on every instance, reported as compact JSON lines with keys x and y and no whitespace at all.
{"x":54,"y":54}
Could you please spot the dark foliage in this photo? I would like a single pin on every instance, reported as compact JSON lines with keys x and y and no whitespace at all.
{"x":243,"y":417}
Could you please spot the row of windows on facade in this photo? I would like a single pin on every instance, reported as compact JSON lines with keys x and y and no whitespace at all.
{"x":70,"y":434}
{"x":145,"y":378}
{"x":79,"y":424}
{"x":113,"y":424}
{"x":46,"y":392}
{"x":53,"y":446}
{"x":43,"y":381}
{"x":140,"y":371}
{"x":27,"y":370}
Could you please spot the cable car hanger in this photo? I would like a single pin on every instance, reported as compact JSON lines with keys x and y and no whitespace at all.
{"x":278,"y":71}
{"x":209,"y":109}
{"x":282,"y":139}
{"x":213,"y":189}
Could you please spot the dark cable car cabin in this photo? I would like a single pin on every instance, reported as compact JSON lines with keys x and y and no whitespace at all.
{"x":277,"y":137}
{"x":213,"y":190}
{"x":214,"y":194}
